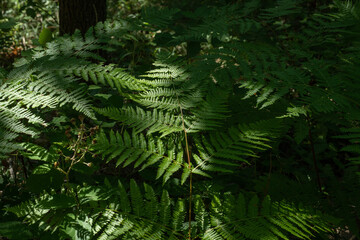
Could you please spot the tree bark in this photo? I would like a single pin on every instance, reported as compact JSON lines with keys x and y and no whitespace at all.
{"x":80,"y":14}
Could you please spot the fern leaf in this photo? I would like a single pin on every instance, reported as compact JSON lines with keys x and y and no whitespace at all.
{"x":39,"y":153}
{"x":141,"y":152}
{"x":223,"y":150}
{"x":155,"y":121}
{"x":136,"y":198}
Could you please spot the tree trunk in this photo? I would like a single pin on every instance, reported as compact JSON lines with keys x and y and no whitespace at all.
{"x":80,"y":14}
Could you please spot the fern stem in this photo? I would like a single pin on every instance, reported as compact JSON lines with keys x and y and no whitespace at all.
{"x":190,"y":176}
{"x":189,"y":165}
{"x":269,"y":177}
{"x":314,"y":160}
{"x":190,"y":182}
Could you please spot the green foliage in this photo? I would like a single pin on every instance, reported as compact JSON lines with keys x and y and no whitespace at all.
{"x":20,"y":25}
{"x":246,"y":126}
{"x":144,"y":215}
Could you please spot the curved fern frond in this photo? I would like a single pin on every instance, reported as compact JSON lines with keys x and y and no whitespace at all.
{"x":36,"y":211}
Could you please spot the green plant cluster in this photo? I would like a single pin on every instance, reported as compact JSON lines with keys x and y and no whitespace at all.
{"x":226,"y":121}
{"x":20,"y":25}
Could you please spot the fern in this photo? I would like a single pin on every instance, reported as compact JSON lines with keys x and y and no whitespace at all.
{"x":6,"y":143}
{"x":282,"y":8}
{"x":155,"y":121}
{"x":159,"y":17}
{"x":248,"y":95}
{"x":46,"y":79}
{"x":108,"y":75}
{"x":147,"y":216}
{"x":239,"y":142}
{"x":143,"y":152}
{"x":353,"y":135}
{"x":36,"y":152}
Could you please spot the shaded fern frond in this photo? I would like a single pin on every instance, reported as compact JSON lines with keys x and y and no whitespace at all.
{"x":215,"y":22}
{"x":39,"y":211}
{"x":353,"y":135}
{"x":7,"y":145}
{"x":159,"y":17}
{"x":225,"y":151}
{"x":107,"y":38}
{"x":282,"y":8}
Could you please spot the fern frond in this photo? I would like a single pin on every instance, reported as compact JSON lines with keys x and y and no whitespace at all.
{"x":40,"y":211}
{"x":276,"y":220}
{"x":224,"y":151}
{"x":148,"y":216}
{"x":54,"y":85}
{"x":140,"y":120}
{"x":170,"y":89}
{"x":107,"y":36}
{"x":108,"y":75}
{"x":158,"y":17}
{"x":214,"y":23}
{"x":160,"y":98}
{"x":137,"y":150}
{"x":17,"y":92}
{"x":112,"y":223}
{"x":20,"y":113}
{"x":353,"y":135}
{"x":6,"y":144}
{"x":211,"y":113}
{"x":36,"y":152}
{"x":15,"y":125}
{"x":282,"y":8}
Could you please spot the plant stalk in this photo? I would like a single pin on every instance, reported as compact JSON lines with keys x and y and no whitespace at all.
{"x":314,"y":160}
